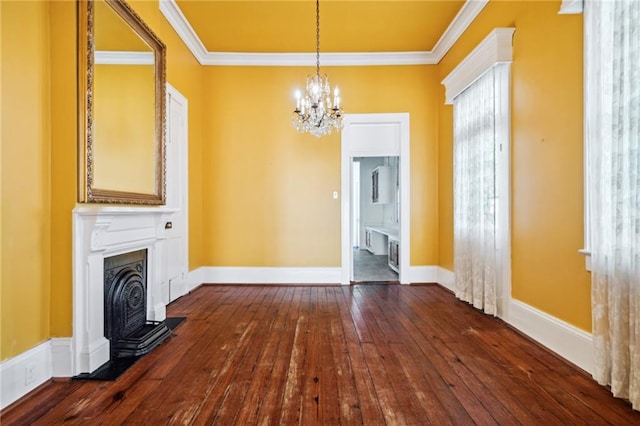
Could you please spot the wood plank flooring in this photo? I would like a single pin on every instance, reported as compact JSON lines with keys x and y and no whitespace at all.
{"x":367,"y":354}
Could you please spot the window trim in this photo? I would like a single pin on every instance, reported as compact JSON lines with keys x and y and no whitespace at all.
{"x":576,"y":7}
{"x":497,"y":47}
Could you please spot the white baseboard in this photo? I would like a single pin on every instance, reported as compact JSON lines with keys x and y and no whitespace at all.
{"x":446,"y":279}
{"x":94,"y":355}
{"x":269,"y":275}
{"x":25,"y":372}
{"x":194,"y":279}
{"x":300,"y":275}
{"x":432,"y":274}
{"x":423,"y":274}
{"x":568,"y":341}
{"x":62,"y":357}
{"x":159,"y":312}
{"x":178,"y":287}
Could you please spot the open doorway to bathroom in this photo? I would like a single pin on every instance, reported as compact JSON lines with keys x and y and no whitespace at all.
{"x":375,"y":219}
{"x":375,"y":135}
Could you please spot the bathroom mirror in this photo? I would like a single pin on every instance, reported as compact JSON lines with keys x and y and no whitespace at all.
{"x":121,"y":80}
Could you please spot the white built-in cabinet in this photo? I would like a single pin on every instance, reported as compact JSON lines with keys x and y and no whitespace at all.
{"x":375,"y":242}
{"x":384,"y":241}
{"x":394,"y":254}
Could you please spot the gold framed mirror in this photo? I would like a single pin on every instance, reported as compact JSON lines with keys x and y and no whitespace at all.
{"x":121,"y":81}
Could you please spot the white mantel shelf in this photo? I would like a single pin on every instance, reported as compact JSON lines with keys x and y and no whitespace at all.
{"x":97,"y":209}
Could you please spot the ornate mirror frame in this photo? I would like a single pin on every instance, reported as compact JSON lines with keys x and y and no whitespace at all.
{"x":87,"y":192}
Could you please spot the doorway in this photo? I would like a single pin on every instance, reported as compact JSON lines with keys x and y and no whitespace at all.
{"x":375,"y":135}
{"x":375,"y":223}
{"x":176,"y":260}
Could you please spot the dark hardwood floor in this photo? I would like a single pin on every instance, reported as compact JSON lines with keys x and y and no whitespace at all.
{"x":373,"y":355}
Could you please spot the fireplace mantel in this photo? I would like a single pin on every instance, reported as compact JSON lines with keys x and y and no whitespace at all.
{"x":100,"y":232}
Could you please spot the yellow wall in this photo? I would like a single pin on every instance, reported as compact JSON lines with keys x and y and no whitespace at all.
{"x":260,"y":193}
{"x":186,"y":75}
{"x":547,"y":187}
{"x":63,"y":160}
{"x":124,"y":129}
{"x":38,"y":163}
{"x":26,"y":220}
{"x":267,"y":189}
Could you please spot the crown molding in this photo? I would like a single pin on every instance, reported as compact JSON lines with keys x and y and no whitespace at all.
{"x":104,"y":57}
{"x":468,"y":12}
{"x":571,"y":7}
{"x":327,"y":59}
{"x":178,"y":21}
{"x":462,"y":20}
{"x":496,"y":48}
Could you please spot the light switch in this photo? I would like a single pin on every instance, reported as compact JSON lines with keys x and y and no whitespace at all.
{"x":335,"y":195}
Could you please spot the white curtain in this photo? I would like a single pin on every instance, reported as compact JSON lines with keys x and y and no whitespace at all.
{"x":475,"y":195}
{"x":612,"y":118}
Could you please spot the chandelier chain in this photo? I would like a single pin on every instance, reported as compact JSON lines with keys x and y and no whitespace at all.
{"x":318,"y":38}
{"x":317,"y":112}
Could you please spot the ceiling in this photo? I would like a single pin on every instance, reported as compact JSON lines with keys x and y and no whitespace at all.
{"x":345,"y":26}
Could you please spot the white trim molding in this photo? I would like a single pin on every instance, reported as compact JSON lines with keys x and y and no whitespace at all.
{"x":300,"y":275}
{"x":446,"y":279}
{"x":468,"y":12}
{"x":61,"y":356}
{"x":105,"y":57}
{"x":375,"y":135}
{"x":465,"y":16}
{"x":423,"y":274}
{"x":571,"y":7}
{"x":195,"y":278}
{"x":330,"y":59}
{"x":185,"y":31}
{"x":267,"y":275}
{"x":25,"y":372}
{"x":566,"y":340}
{"x":432,"y":274}
{"x":497,"y":47}
{"x":587,"y":257}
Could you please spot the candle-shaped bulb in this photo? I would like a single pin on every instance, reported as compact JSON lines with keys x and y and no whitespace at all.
{"x":298,"y":96}
{"x":336,"y":98}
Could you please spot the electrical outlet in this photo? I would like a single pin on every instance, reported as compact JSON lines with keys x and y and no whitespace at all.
{"x":29,"y":374}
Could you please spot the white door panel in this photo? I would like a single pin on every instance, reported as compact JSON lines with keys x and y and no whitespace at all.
{"x":176,"y":229}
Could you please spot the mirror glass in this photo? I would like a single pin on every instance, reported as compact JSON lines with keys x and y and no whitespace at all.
{"x":124,"y":119}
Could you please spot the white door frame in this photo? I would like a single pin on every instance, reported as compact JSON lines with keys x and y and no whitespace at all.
{"x":353,"y":145}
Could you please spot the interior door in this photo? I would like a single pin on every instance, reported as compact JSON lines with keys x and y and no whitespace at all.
{"x":176,"y":231}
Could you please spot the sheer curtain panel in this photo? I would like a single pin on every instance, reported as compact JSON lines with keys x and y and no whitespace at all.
{"x":475,"y":195}
{"x":612,"y":131}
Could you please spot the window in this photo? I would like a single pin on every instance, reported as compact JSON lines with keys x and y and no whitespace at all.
{"x":612,"y":99}
{"x":479,"y":88}
{"x":612,"y":184}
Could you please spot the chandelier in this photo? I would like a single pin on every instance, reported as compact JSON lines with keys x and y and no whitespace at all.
{"x":316,"y":112}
